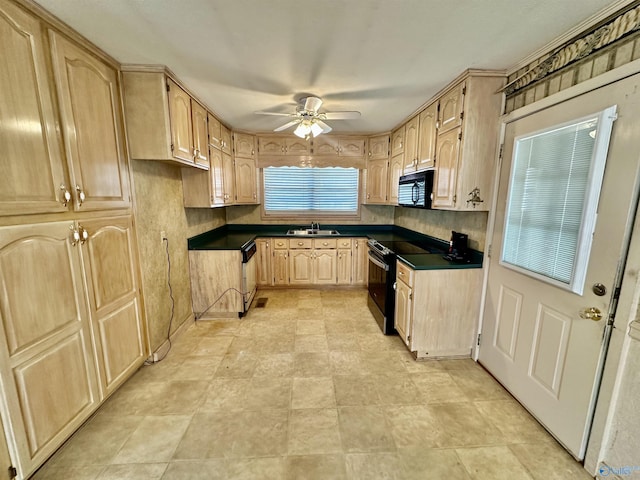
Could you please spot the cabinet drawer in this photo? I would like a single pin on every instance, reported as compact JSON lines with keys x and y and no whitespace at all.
{"x":344,"y":242}
{"x":404,"y":273}
{"x":300,"y":243}
{"x":325,"y":243}
{"x":280,"y":244}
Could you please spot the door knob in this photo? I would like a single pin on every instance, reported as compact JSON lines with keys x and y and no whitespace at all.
{"x":591,"y":313}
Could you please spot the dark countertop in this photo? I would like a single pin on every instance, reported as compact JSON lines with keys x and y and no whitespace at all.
{"x":234,"y":237}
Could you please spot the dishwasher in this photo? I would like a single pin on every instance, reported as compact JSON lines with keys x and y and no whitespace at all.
{"x":248,"y":275}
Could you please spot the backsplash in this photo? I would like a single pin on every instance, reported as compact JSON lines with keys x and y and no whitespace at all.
{"x":440,"y":223}
{"x":159,"y":206}
{"x":369,"y":215}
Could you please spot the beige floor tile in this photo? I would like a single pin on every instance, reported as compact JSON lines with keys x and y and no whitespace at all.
{"x":478,"y":384}
{"x":154,"y":441}
{"x":356,"y":390}
{"x":365,"y":429}
{"x":339,"y":326}
{"x":132,"y":397}
{"x":311,"y":343}
{"x":459,"y":364}
{"x":196,"y":470}
{"x":464,"y":425}
{"x":420,"y":366}
{"x":345,"y":363}
{"x":438,"y":387}
{"x":237,"y":365}
{"x":151,"y":471}
{"x":311,"y":364}
{"x":515,"y":423}
{"x":397,"y":389}
{"x":98,"y":441}
{"x":549,"y":461}
{"x":225,"y":393}
{"x":66,"y":472}
{"x":381,"y":466}
{"x":274,"y":365}
{"x":213,"y":345}
{"x":316,"y":467}
{"x":241,"y":344}
{"x":264,"y":393}
{"x":274,"y":343}
{"x":197,"y":368}
{"x":256,"y":469}
{"x":419,"y":463}
{"x":492,"y":463}
{"x":176,"y":398}
{"x":310,"y":327}
{"x":314,"y":431}
{"x":313,"y":392}
{"x":415,"y":425}
{"x":382,"y":362}
{"x":342,"y":342}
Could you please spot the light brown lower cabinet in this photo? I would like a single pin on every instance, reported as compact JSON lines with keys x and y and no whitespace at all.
{"x":360,"y":258}
{"x":64,"y":347}
{"x":437,"y":310}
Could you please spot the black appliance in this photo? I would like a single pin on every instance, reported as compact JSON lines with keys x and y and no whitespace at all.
{"x":458,"y":247}
{"x":415,"y":190}
{"x":382,"y":277}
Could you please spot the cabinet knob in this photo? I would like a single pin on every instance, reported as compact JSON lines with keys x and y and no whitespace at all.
{"x":75,"y":236}
{"x":300,"y":244}
{"x":66,"y":195}
{"x":325,"y":243}
{"x":80,"y":195}
{"x":84,"y":235}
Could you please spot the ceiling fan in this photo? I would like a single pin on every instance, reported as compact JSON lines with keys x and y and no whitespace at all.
{"x":308,"y":118}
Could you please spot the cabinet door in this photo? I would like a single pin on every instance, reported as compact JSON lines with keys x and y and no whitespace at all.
{"x":397,"y":141}
{"x":325,"y":145}
{"x":411,"y":145}
{"x":32,"y":177}
{"x":377,"y":181}
{"x":263,"y":255}
{"x":245,"y":145}
{"x":403,"y":311}
{"x":396,"y":166}
{"x":180,"y":120}
{"x":445,"y":179}
{"x":427,"y":137}
{"x":246,"y":180}
{"x":225,"y":139}
{"x":297,"y":146}
{"x":214,"y":127}
{"x":344,"y":266}
{"x":216,"y":175}
{"x":228,"y":179}
{"x":90,"y":107}
{"x":271,"y":145}
{"x":352,"y":146}
{"x":324,"y":267}
{"x":379,"y":147}
{"x":451,"y":107}
{"x":110,"y":261}
{"x":200,"y":134}
{"x":280,"y":267}
{"x":360,"y":259}
{"x":46,"y":363}
{"x":300,"y":267}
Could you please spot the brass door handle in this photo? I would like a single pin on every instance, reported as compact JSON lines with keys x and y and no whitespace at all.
{"x":80,"y":194}
{"x":591,"y":313}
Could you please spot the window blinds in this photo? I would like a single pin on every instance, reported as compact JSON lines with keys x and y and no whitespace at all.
{"x":332,"y":189}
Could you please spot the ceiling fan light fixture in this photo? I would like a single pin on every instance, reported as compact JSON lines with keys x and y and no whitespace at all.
{"x":303,"y":129}
{"x":316,"y":129}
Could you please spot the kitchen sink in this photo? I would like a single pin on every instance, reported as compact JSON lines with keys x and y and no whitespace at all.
{"x":312,"y":231}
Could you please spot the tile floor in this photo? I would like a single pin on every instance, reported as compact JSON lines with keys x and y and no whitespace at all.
{"x":308,"y":388}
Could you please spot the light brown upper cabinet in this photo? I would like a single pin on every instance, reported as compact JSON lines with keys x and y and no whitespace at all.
{"x":215,"y":132}
{"x":88,"y":94}
{"x":466,"y":144}
{"x":163,"y":121}
{"x":379,"y":147}
{"x":276,"y":145}
{"x":225,"y":139}
{"x":346,"y":146}
{"x":244,"y":145}
{"x":411,"y":145}
{"x":246,"y":180}
{"x":33,"y":176}
{"x":396,"y":168}
{"x":427,"y":137}
{"x":397,"y":141}
{"x":377,"y":181}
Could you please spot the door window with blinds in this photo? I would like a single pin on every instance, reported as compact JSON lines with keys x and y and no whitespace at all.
{"x":556,"y":175}
{"x":329,"y":191}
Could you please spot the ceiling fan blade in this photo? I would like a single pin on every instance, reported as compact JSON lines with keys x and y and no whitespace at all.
{"x":286,"y":125}
{"x":325,"y":128}
{"x":341,"y":115}
{"x":278,"y":114}
{"x":312,"y":104}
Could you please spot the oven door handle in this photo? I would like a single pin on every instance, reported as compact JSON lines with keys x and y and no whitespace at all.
{"x":377,"y":262}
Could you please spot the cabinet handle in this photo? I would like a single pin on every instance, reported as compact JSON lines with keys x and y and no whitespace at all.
{"x":80,"y":194}
{"x":325,"y":243}
{"x":66,"y":195}
{"x":75,"y":236}
{"x":196,"y":153}
{"x":300,"y":244}
{"x":401,"y":273}
{"x":83,"y":234}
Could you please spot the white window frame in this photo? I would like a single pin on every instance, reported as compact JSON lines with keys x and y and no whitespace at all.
{"x":605,"y":119}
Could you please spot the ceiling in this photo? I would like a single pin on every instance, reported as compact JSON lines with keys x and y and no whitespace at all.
{"x":384,"y":58}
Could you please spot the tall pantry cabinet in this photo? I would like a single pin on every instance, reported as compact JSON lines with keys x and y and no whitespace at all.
{"x":71,"y":327}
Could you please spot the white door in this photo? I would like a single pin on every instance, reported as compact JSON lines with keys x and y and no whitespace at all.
{"x":534,"y":340}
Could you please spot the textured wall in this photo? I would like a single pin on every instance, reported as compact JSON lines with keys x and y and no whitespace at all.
{"x":370,"y":215}
{"x":439,"y":223}
{"x":158,"y":190}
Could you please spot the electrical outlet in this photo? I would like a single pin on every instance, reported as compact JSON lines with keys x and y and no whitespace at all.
{"x":163,"y":235}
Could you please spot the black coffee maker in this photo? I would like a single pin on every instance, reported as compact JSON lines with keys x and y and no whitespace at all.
{"x":458,"y":247}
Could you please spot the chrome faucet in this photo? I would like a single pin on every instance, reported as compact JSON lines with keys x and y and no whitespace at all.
{"x":315,"y":226}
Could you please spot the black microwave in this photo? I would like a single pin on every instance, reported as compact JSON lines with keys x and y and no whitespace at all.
{"x":415,"y":190}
